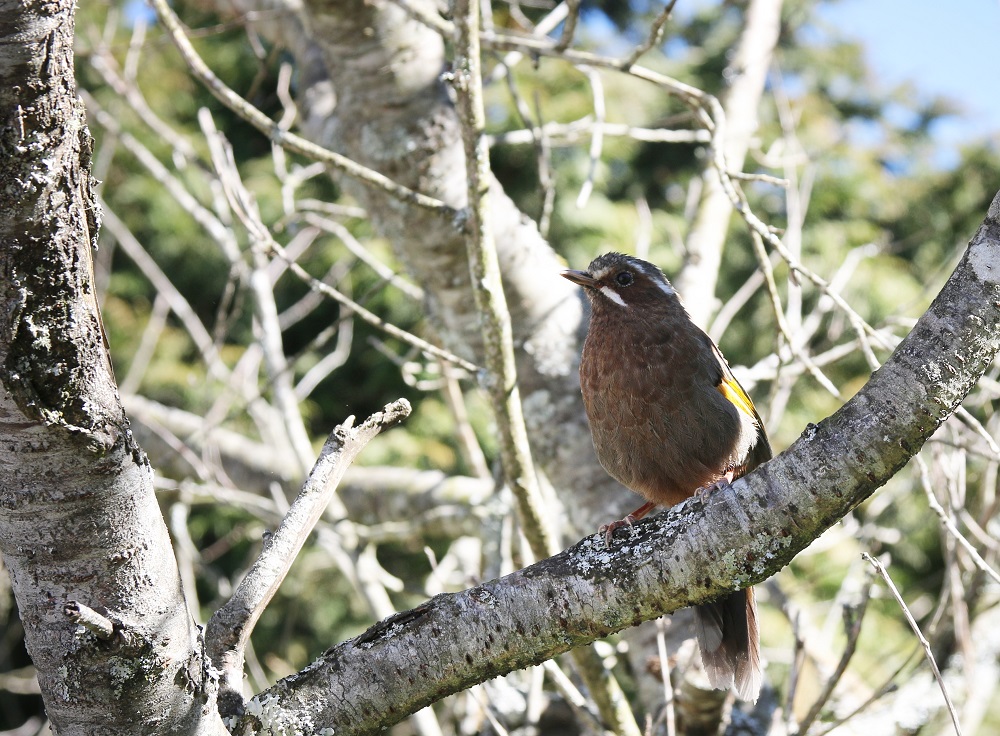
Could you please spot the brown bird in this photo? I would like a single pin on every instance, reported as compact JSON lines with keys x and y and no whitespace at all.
{"x":670,"y":420}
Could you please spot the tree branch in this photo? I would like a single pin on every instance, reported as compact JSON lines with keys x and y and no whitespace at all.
{"x":79,"y":524}
{"x":748,"y":69}
{"x":229,"y":629}
{"x":484,"y":268}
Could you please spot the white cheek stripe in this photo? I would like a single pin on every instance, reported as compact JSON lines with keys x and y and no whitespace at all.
{"x":665,"y":288}
{"x":613,"y":296}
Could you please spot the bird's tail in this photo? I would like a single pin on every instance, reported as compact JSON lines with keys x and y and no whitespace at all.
{"x":730,"y":643}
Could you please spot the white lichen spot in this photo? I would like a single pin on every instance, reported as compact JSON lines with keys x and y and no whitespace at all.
{"x":62,"y":690}
{"x":255,"y":708}
{"x":933,"y":371}
{"x":985,"y":262}
{"x":484,"y":596}
{"x":269,"y":712}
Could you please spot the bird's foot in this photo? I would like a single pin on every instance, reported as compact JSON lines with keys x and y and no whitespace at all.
{"x":608,"y":530}
{"x":721,"y":483}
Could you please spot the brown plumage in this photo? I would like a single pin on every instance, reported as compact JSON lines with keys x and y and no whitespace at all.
{"x":669,"y":419}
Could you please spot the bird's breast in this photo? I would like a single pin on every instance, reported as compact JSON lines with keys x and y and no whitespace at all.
{"x":658,"y":422}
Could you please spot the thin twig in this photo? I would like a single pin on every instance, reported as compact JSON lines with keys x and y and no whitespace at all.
{"x":798,"y":658}
{"x":597,"y":137}
{"x":692,"y":96}
{"x":887,"y":687}
{"x":765,"y":178}
{"x":542,"y":151}
{"x":431,"y":20}
{"x":575,"y":131}
{"x":854,"y":616}
{"x":569,"y":27}
{"x":364,"y":254}
{"x":484,"y":267}
{"x":164,"y":287}
{"x":105,"y":64}
{"x":369,"y":317}
{"x":964,"y":416}
{"x":576,"y":700}
{"x":270,"y":128}
{"x":100,"y":626}
{"x":220,"y":234}
{"x":923,"y":641}
{"x":643,"y":228}
{"x":143,"y":354}
{"x":266,"y":309}
{"x":546,"y":180}
{"x":556,"y":16}
{"x":669,"y":714}
{"x":779,"y":315}
{"x":860,"y":326}
{"x":948,"y":524}
{"x":654,"y":38}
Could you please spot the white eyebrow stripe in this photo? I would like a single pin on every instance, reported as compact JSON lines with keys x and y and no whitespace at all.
{"x":665,"y":288}
{"x":613,"y":296}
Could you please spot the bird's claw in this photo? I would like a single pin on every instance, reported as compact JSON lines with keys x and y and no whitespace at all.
{"x":721,"y":483}
{"x":608,"y":530}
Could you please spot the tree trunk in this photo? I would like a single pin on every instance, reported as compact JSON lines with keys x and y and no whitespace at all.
{"x":80,"y":530}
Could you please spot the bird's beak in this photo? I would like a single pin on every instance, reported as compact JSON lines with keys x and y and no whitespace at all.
{"x":581,"y":278}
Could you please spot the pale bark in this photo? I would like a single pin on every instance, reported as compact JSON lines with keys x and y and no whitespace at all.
{"x":79,"y":524}
{"x":228,"y":631}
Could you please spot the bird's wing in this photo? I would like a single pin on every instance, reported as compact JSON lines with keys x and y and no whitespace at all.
{"x":735,"y":394}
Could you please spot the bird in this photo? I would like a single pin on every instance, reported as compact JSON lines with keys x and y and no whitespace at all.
{"x":668,"y":420}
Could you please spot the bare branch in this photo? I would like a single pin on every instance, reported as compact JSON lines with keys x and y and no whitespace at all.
{"x":370,"y":317}
{"x":178,"y":304}
{"x":854,"y":616}
{"x":762,"y":521}
{"x":100,"y":626}
{"x":923,"y":642}
{"x":949,"y":525}
{"x":268,"y":127}
{"x":655,"y":36}
{"x":501,"y":383}
{"x":229,"y":629}
{"x":569,"y":27}
{"x":736,"y":120}
{"x":596,"y":138}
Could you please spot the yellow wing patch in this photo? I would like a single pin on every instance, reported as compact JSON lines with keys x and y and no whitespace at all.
{"x":735,"y":394}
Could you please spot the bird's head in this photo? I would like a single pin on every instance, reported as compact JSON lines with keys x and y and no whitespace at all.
{"x":616,"y":281}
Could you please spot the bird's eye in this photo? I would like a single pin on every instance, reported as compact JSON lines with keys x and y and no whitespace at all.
{"x":624,"y":278}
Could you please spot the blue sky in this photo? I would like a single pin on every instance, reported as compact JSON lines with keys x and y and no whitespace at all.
{"x":950,"y":48}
